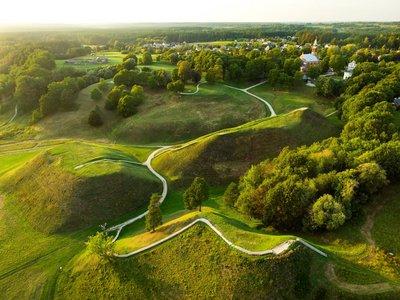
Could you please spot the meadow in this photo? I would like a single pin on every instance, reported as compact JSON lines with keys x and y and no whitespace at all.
{"x":163,"y":118}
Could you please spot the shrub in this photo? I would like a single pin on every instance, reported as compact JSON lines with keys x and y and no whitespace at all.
{"x":96,"y":94}
{"x":95,"y":118}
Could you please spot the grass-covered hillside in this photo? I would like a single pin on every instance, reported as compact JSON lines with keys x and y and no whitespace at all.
{"x":162,"y":118}
{"x":196,"y":264}
{"x":54,"y":196}
{"x":226,"y":154}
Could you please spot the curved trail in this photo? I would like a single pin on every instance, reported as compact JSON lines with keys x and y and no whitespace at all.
{"x":277,"y":250}
{"x":195,"y":92}
{"x":246,"y":90}
{"x":362,"y":289}
{"x":12,"y":118}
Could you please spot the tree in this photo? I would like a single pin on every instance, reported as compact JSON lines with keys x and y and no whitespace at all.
{"x":328,"y":213}
{"x":176,"y":86}
{"x":101,"y":245}
{"x":196,"y":193}
{"x":113,"y":97}
{"x":28,"y":91}
{"x":147,"y":58}
{"x":138,"y":93}
{"x":371,"y":177}
{"x":287,"y":201}
{"x":273,"y":77}
{"x":174,"y":74}
{"x":96,"y":94}
{"x":195,"y":76}
{"x":313,"y":71}
{"x":184,"y":70}
{"x":129,"y":64}
{"x":127,"y":106}
{"x":95,"y":118}
{"x":210,"y":76}
{"x":337,"y":63}
{"x":231,"y":194}
{"x":42,"y":58}
{"x":103,"y":85}
{"x":154,"y":216}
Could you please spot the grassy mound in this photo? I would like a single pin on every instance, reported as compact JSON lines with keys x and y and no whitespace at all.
{"x":195,"y":265}
{"x":162,"y":118}
{"x":284,"y":101}
{"x":55,"y":197}
{"x":198,"y":264}
{"x":225,"y":155}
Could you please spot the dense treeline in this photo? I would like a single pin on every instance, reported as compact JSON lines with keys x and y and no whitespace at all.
{"x":352,"y":32}
{"x":30,"y":79}
{"x":322,"y":186}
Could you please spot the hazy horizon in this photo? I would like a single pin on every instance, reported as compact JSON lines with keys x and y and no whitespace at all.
{"x":100,"y":12}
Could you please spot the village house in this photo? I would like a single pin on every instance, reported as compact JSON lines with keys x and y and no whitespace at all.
{"x":349,"y":70}
{"x":396,"y":103}
{"x":310,"y":59}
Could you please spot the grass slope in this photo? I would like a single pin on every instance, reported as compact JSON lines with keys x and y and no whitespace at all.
{"x":194,"y":265}
{"x":284,"y":101}
{"x":225,"y":155}
{"x":54,"y":197}
{"x":163,"y":118}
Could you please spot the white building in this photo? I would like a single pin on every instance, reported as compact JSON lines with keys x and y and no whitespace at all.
{"x":349,"y":70}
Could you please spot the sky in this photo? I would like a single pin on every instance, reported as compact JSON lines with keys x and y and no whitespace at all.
{"x":134,"y":11}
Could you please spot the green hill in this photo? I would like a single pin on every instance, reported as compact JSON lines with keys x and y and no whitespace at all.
{"x":225,"y":155}
{"x":196,"y":264}
{"x":163,"y":117}
{"x":56,"y":197}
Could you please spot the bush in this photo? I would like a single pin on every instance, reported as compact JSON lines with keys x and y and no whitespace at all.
{"x":96,"y":94}
{"x":95,"y":118}
{"x":127,"y":106}
{"x":101,"y":245}
{"x":103,"y":85}
{"x":176,"y":86}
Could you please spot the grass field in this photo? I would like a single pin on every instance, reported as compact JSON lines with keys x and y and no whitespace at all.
{"x":385,"y":229}
{"x":163,"y":118}
{"x":284,"y":101}
{"x":347,"y":249}
{"x":114,"y":58}
{"x":56,"y":197}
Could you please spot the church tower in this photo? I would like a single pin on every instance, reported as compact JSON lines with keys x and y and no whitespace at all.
{"x":314,"y":48}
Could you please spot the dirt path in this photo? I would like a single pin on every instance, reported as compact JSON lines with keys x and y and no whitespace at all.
{"x":364,"y":289}
{"x":366,"y":228}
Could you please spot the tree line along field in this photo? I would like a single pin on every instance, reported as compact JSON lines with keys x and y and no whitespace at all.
{"x":114,"y":58}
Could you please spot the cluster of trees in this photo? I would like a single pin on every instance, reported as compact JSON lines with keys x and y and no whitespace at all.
{"x":323,"y":185}
{"x":196,"y":193}
{"x":31,"y":81}
{"x":125,"y":100}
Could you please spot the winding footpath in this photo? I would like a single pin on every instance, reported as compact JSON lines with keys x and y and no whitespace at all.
{"x":246,"y":90}
{"x":118,"y":228}
{"x":195,"y":92}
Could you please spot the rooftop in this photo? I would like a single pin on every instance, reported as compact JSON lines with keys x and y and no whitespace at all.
{"x":309,"y":58}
